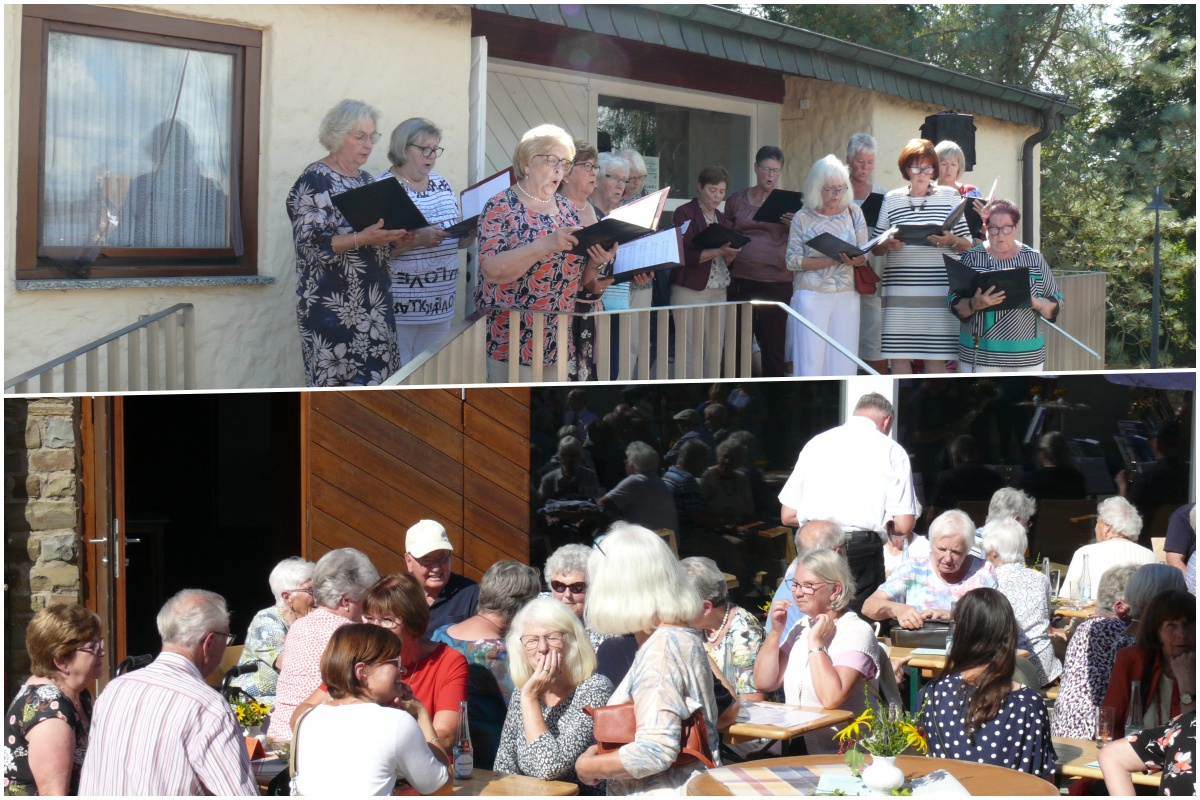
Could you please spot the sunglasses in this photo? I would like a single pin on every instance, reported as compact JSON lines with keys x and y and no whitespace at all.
{"x":576,"y":588}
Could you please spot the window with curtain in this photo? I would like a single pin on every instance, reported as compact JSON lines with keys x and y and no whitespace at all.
{"x":141,"y":147}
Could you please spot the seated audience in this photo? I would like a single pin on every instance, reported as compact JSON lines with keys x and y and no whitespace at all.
{"x":566,"y":575}
{"x":46,"y":728}
{"x":571,"y":480}
{"x":1167,"y":629}
{"x":691,"y":427}
{"x":291,"y":583}
{"x":1180,"y":542}
{"x":1027,"y":590}
{"x":825,"y":660}
{"x":505,"y":588}
{"x":553,"y":667}
{"x":966,"y":479}
{"x":186,"y":740}
{"x":366,"y":736}
{"x":1166,"y":482}
{"x":1055,"y":478}
{"x":1117,"y":529}
{"x":732,"y":635}
{"x":923,"y":589}
{"x":642,"y":498}
{"x":974,"y":711}
{"x":764,"y":502}
{"x":340,"y":580}
{"x":451,"y":597}
{"x":1091,"y":651}
{"x":817,"y":534}
{"x":638,"y":587}
{"x":682,"y":478}
{"x":726,"y":491}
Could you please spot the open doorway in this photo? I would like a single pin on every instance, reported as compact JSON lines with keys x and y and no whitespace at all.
{"x":212,"y":496}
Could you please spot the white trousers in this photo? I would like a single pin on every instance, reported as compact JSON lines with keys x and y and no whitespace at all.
{"x":682,"y":296}
{"x":412,"y":340}
{"x":836,"y":313}
{"x":638,"y":298}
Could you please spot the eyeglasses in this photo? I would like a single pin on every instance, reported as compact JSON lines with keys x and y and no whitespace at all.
{"x":586,"y":166}
{"x":383,"y":622}
{"x":834,"y":190}
{"x":96,"y":649}
{"x":807,"y":588}
{"x":618,"y":180}
{"x":554,"y":162}
{"x":360,"y":136}
{"x":554,"y":640}
{"x":429,"y":152}
{"x":576,"y":588}
{"x":1006,"y":230}
{"x":308,"y":591}
{"x":396,"y":661}
{"x":769,"y":170}
{"x":429,"y":562}
{"x":633,"y":178}
{"x":230,"y":638}
{"x":920,"y":170}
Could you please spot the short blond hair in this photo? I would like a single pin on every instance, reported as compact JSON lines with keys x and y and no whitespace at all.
{"x":829,"y":566}
{"x":636,"y":584}
{"x":535,"y":140}
{"x":578,"y":655}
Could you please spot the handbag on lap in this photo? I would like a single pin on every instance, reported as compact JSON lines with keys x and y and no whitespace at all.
{"x":614,"y":726}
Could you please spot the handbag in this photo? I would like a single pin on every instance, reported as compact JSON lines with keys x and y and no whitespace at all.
{"x":933,"y":634}
{"x":614,"y":726}
{"x":865,"y":278}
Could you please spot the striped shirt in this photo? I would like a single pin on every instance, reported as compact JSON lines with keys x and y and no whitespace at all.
{"x":1011,"y":338}
{"x":915,"y":324}
{"x":163,"y":731}
{"x":424,"y":279}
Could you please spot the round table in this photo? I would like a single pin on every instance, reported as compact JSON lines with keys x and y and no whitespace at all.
{"x":978,"y":779}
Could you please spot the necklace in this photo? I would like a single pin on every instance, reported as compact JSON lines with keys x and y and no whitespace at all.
{"x":717,"y":633}
{"x":911,"y":207}
{"x":337,"y":167}
{"x":525,"y":192}
{"x":411,"y":183}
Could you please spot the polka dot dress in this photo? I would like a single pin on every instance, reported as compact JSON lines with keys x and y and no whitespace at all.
{"x":1018,"y":737}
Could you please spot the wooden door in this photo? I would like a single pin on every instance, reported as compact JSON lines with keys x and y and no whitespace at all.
{"x":375,"y":462}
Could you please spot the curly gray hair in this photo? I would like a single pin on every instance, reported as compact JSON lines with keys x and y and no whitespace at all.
{"x":341,"y":119}
{"x":567,"y":559}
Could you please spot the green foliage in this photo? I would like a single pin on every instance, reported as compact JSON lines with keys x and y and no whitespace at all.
{"x":884,"y":26}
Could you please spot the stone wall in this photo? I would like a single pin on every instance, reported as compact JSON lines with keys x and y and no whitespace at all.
{"x":42,"y":518}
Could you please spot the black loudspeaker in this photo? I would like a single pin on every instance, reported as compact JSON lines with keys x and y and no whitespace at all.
{"x":958,"y":128}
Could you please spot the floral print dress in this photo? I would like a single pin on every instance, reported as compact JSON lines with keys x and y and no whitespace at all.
{"x":264,"y":643}
{"x":344,"y":303}
{"x":32,"y":705}
{"x":1171,"y":748}
{"x":1087,"y":668}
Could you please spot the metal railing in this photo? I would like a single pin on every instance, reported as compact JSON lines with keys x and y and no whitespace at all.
{"x":156,"y":352}
{"x":721,"y":335}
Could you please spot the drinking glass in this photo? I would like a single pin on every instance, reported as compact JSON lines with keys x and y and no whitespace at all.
{"x":1104,"y":725}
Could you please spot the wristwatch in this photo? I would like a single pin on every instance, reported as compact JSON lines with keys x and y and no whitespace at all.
{"x":1186,"y":699}
{"x":812,"y":650}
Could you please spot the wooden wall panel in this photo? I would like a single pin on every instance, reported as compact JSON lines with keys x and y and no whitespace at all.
{"x":378,"y":461}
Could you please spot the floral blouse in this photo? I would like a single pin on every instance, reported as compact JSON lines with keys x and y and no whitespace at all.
{"x":1172,"y":749}
{"x":550,"y":285}
{"x":1087,"y":668}
{"x":736,"y":651}
{"x":264,"y":642}
{"x":489,"y":691}
{"x":849,"y":226}
{"x":34,"y":704}
{"x":344,"y":304}
{"x":1028,"y":591}
{"x":917,"y":584}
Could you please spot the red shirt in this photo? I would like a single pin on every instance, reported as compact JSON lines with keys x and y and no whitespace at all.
{"x":439,"y":680}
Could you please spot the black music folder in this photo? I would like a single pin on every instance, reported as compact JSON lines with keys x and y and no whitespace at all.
{"x":829,"y":245}
{"x":605,"y":233}
{"x":965,"y":281}
{"x":778,"y":203}
{"x":386,"y":200}
{"x":871,"y":207}
{"x":715,"y":236}
{"x":917,"y":234}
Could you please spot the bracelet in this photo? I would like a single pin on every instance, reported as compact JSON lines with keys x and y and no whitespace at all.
{"x":355,"y":240}
{"x":812,"y":650}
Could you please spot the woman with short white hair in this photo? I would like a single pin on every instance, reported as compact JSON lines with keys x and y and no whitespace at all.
{"x":1012,"y":503}
{"x":566,"y":575}
{"x":638,"y":587}
{"x":1118,"y":526}
{"x":1027,"y":590}
{"x":826,"y":658}
{"x":291,"y":583}
{"x":635,"y":189}
{"x":553,"y":666}
{"x":925,"y":588}
{"x":525,"y":239}
{"x":823,"y":287}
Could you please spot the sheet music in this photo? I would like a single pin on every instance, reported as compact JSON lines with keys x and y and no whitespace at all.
{"x":474,"y":199}
{"x":644,"y":211}
{"x":649,"y":251}
{"x":777,"y":715}
{"x":992,"y":193}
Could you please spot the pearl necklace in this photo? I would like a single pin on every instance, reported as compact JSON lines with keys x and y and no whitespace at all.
{"x":525,"y":192}
{"x":717,"y":633}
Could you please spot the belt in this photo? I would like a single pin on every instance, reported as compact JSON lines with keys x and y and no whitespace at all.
{"x":858,"y":536}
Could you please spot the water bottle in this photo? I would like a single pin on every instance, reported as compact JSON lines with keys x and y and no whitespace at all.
{"x":1085,"y":584}
{"x":464,"y":754}
{"x":950,"y":629}
{"x":1046,"y":567}
{"x":1133,"y":720}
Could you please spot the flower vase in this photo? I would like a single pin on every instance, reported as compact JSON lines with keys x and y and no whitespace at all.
{"x":253,"y":731}
{"x":882,"y":775}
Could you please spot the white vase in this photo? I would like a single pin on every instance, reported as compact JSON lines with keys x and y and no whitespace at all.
{"x":882,"y":775}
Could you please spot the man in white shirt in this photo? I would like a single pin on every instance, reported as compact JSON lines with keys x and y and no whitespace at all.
{"x":1118,"y":526}
{"x":859,"y":477}
{"x":162,"y":730}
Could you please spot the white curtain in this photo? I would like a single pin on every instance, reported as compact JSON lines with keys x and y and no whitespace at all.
{"x":138,"y":146}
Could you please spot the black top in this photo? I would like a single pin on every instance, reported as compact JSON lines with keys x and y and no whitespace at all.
{"x":1181,"y":537}
{"x":1170,"y":749}
{"x":458,"y":600}
{"x":968,"y":481}
{"x":33,"y":705}
{"x":1054,"y":483}
{"x":1165,"y":482}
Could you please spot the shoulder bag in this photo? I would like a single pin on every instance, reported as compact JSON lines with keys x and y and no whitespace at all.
{"x":614,"y":726}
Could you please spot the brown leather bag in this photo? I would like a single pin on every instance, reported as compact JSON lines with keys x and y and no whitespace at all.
{"x":614,"y":726}
{"x":865,"y":279}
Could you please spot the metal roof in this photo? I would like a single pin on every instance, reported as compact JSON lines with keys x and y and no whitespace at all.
{"x":733,"y":36}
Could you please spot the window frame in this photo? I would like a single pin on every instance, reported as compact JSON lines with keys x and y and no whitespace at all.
{"x":244,"y":44}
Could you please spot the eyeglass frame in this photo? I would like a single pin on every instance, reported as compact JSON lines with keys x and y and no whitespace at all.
{"x":578,"y":587}
{"x":1004,"y":230}
{"x":428,"y":152}
{"x":362,"y":136}
{"x":770,"y":171}
{"x":806,"y":587}
{"x":99,"y":652}
{"x":552,"y":643}
{"x":230,"y":638}
{"x":564,"y":164}
{"x":380,"y":621}
{"x":587,"y":166}
{"x":397,"y":661}
{"x":913,"y":169}
{"x":618,"y":180}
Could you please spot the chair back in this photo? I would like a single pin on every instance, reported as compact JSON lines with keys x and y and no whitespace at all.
{"x":887,"y":678}
{"x":1026,"y":674}
{"x":228,"y":662}
{"x":1159,"y":544}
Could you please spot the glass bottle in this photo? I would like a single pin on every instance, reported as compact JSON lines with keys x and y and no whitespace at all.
{"x":464,"y":754}
{"x":950,"y":627}
{"x":1085,"y":584}
{"x":1133,"y":720}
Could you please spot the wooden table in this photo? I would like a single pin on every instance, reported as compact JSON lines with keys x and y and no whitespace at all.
{"x":925,"y":666}
{"x":978,"y":779}
{"x":1075,"y":613}
{"x":265,"y":770}
{"x":1073,"y":754}
{"x":486,"y":782}
{"x":740,"y":732}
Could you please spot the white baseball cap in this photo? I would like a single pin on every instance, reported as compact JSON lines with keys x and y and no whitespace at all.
{"x":424,"y":537}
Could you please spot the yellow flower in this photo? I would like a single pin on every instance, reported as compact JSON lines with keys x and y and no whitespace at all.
{"x":854,"y":729}
{"x":913,"y":737}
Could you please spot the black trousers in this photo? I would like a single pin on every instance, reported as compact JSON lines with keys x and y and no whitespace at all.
{"x":864,"y":554}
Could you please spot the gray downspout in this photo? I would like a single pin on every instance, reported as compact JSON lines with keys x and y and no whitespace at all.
{"x":1049,"y":125}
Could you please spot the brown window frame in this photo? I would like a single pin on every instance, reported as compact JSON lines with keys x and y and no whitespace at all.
{"x":245,"y":44}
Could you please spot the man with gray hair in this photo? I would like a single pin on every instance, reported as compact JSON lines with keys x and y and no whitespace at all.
{"x":857,"y":476}
{"x":816,"y":534}
{"x":642,"y":498}
{"x":162,"y":730}
{"x":570,"y":480}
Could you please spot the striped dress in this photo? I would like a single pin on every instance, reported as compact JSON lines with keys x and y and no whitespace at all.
{"x":914,"y":282}
{"x":424,"y":279}
{"x":1012,"y":338}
